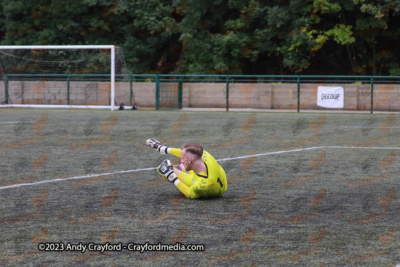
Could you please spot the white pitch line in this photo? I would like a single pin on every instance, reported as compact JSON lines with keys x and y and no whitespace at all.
{"x":359,"y":126}
{"x":362,"y":147}
{"x":225,"y":159}
{"x":272,"y":153}
{"x":76,"y":177}
{"x":307,"y":148}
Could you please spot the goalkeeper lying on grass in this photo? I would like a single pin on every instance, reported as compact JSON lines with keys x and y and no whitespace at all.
{"x":201,"y":175}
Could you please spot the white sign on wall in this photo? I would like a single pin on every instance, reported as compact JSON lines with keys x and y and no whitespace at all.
{"x":330,"y":97}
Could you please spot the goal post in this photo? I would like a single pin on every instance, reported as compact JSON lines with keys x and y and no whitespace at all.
{"x":60,"y":76}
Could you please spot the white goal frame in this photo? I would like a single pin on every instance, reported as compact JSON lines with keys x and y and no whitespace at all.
{"x":111,"y":47}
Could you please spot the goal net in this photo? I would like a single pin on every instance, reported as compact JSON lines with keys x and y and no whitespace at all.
{"x":62,"y":76}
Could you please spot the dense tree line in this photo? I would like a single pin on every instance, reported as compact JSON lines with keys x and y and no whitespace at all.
{"x":343,"y":37}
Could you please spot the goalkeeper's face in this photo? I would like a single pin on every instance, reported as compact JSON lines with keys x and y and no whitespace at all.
{"x":187,"y":160}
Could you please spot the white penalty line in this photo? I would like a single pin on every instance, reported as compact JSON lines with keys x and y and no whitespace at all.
{"x":225,"y":159}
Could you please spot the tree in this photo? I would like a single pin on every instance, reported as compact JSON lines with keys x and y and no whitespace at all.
{"x":219,"y":36}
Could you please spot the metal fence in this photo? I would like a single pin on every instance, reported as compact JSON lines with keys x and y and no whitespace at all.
{"x":161,"y":91}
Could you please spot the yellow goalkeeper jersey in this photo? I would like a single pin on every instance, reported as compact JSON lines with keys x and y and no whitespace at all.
{"x":210,"y":183}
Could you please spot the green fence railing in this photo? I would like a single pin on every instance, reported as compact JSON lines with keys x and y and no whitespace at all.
{"x":169,"y":87}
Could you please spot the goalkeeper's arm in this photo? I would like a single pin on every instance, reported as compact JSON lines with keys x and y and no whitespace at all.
{"x":154,"y":143}
{"x":185,"y":183}
{"x":168,"y":171}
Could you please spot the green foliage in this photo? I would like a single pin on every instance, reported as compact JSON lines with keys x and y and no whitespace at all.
{"x":277,"y":16}
{"x":394,"y":69}
{"x":341,"y":34}
{"x":223,"y":36}
{"x":324,"y":7}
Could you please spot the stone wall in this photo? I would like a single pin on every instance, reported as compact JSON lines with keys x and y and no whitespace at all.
{"x":202,"y":95}
{"x":284,"y":96}
{"x":386,"y":97}
{"x":81,"y":93}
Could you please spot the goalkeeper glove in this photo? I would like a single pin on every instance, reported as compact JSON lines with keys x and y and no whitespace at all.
{"x":154,"y":143}
{"x":166,"y":170}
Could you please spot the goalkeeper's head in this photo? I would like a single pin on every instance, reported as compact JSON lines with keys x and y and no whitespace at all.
{"x":191,"y":155}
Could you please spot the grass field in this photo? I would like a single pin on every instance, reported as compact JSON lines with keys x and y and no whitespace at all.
{"x":305,"y":189}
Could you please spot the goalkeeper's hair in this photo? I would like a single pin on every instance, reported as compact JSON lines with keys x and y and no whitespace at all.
{"x":193,"y":148}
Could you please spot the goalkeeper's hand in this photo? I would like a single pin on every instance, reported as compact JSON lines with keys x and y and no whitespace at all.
{"x":166,"y":170}
{"x":154,"y":143}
